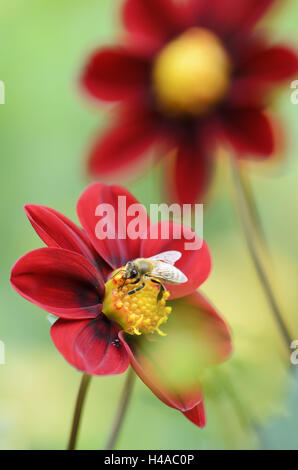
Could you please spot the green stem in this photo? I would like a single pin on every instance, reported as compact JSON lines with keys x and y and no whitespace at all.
{"x":248,"y":220}
{"x":124,"y":402}
{"x":253,"y":209}
{"x":85,"y":381}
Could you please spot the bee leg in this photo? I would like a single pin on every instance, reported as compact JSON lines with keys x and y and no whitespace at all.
{"x":162,"y":289}
{"x":137,"y":289}
{"x":131,"y":283}
{"x":136,"y":281}
{"x":161,"y":292}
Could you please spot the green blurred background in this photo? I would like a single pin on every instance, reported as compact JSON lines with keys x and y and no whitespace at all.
{"x":45,"y":128}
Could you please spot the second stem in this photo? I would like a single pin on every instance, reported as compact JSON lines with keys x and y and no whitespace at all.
{"x":123,"y":405}
{"x":248,"y":222}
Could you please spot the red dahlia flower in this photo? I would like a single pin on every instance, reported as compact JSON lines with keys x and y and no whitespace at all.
{"x":189,"y":75}
{"x":74,"y":278}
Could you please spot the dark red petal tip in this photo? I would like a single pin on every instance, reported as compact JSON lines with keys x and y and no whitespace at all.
{"x":197,"y":415}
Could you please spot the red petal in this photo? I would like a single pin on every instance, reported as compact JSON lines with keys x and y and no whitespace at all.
{"x":58,"y":231}
{"x":230,"y":16}
{"x":91,"y":346}
{"x":118,"y":251}
{"x":193,"y":172}
{"x":250,"y":132}
{"x":59,"y":281}
{"x":197,"y":415}
{"x":191,"y":12}
{"x":196,"y":321}
{"x":154,"y":19}
{"x":171,"y":366}
{"x":156,"y":381}
{"x":273,"y":64}
{"x":192,"y":162}
{"x":153,"y":22}
{"x":194,"y":263}
{"x":123,"y":146}
{"x":114,"y":74}
{"x":247,"y":92}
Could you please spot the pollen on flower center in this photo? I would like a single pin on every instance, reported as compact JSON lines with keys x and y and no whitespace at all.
{"x":140,"y":313}
{"x":192,"y":73}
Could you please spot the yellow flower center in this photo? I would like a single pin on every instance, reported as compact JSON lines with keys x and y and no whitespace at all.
{"x":192,"y":73}
{"x":139,"y":313}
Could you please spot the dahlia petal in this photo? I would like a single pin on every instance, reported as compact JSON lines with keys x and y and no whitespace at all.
{"x":156,"y":380}
{"x":191,"y":12}
{"x":58,"y":231}
{"x":242,"y":15}
{"x":160,"y":19}
{"x":117,"y":248}
{"x":195,"y":262}
{"x":59,"y":281}
{"x":192,"y":164}
{"x":192,"y":174}
{"x":250,"y":132}
{"x":152,"y":22}
{"x":195,"y":321}
{"x":171,"y":366}
{"x":115,"y":74}
{"x":197,"y":415}
{"x":272,"y":64}
{"x":91,"y":346}
{"x":247,"y":92}
{"x":153,"y":19}
{"x":123,"y":146}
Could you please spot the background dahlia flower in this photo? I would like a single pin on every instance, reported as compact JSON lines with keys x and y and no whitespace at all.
{"x":188,"y":75}
{"x":72,"y":279}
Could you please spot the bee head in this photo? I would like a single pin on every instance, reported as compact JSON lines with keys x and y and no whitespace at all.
{"x":130,"y":271}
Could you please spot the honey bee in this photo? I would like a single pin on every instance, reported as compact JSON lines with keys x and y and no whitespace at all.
{"x":159,"y":269}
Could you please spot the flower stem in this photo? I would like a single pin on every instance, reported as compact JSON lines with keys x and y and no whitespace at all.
{"x":253,"y":209}
{"x":85,"y":381}
{"x":124,"y":402}
{"x":249,"y":219}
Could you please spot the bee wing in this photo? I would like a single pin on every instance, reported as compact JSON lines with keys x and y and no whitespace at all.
{"x":170,"y":257}
{"x":168,"y":273}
